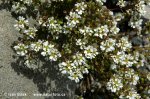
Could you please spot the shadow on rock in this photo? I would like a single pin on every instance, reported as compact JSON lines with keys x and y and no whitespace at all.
{"x":5,"y":4}
{"x":47,"y":78}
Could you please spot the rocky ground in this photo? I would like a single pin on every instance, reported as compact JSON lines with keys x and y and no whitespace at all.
{"x":14,"y":79}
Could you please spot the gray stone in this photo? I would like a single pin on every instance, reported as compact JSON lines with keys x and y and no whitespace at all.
{"x":15,"y":79}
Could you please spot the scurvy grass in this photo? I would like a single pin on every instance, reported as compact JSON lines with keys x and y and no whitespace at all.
{"x":88,"y":37}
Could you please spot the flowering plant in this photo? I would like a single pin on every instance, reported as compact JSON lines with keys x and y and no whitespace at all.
{"x":93,"y":41}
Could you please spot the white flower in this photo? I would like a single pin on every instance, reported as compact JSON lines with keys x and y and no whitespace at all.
{"x":76,"y":75}
{"x":84,"y":70}
{"x":50,"y":51}
{"x":74,"y":17}
{"x":117,"y":58}
{"x":17,"y":7}
{"x":43,"y":53}
{"x":86,"y":31}
{"x":50,"y":1}
{"x":66,"y":67}
{"x":79,"y":59}
{"x":21,"y":23}
{"x":100,"y":2}
{"x":31,"y":32}
{"x":128,"y":60}
{"x":114,"y":30}
{"x":132,"y":94}
{"x":121,"y":3}
{"x":80,"y":7}
{"x":135,"y":23}
{"x":29,"y":62}
{"x":130,"y":74}
{"x":21,"y":49}
{"x":90,"y":52}
{"x":124,"y":44}
{"x":74,"y":72}
{"x":81,"y":43}
{"x":28,"y":2}
{"x":41,"y":22}
{"x":135,"y":79}
{"x":114,"y":84}
{"x":108,"y":45}
{"x":119,"y":16}
{"x":54,"y":27}
{"x":123,"y":59}
{"x":140,"y":7}
{"x":46,"y":43}
{"x":101,"y":31}
{"x":139,"y":59}
{"x":148,"y":76}
{"x":54,"y":54}
{"x":36,"y":46}
{"x":113,"y":66}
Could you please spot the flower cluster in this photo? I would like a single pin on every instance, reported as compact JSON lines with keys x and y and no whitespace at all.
{"x":86,"y":31}
{"x":101,"y":31}
{"x":21,"y":23}
{"x":124,"y":44}
{"x":79,"y":59}
{"x":76,"y":68}
{"x":100,"y":2}
{"x":81,"y":43}
{"x":114,"y":30}
{"x":123,"y":78}
{"x":124,"y":59}
{"x":30,"y":62}
{"x":49,"y":50}
{"x":132,"y":94}
{"x":21,"y":49}
{"x":31,"y":32}
{"x":148,"y":76}
{"x":140,"y":7}
{"x":121,"y":3}
{"x":36,"y":46}
{"x":90,"y":52}
{"x":74,"y":16}
{"x":108,"y":45}
{"x":135,"y":23}
{"x":135,"y":20}
{"x":114,"y":84}
{"x":130,"y":75}
{"x":18,"y":7}
{"x":54,"y":26}
{"x":21,"y":7}
{"x":91,"y":41}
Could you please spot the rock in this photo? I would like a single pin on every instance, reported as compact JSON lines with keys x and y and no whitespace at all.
{"x":16,"y":80}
